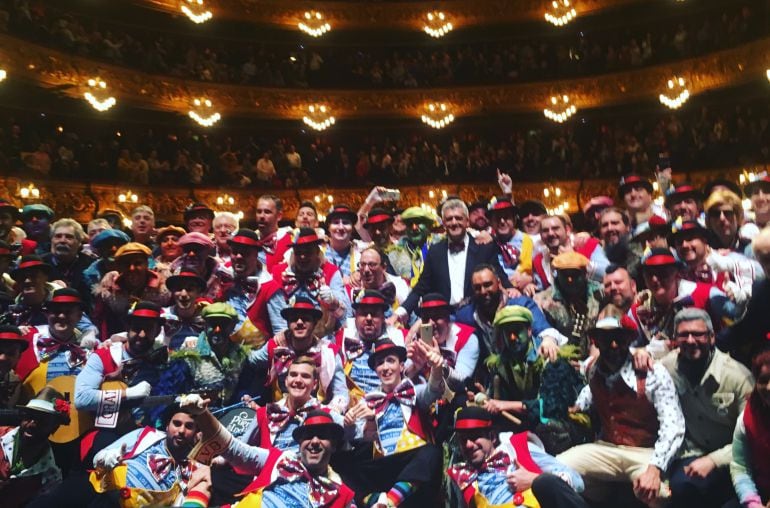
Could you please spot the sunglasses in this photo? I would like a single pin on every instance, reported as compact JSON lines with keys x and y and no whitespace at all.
{"x":716,"y":213}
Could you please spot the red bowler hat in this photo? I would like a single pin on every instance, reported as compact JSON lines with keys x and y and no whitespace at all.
{"x":501,"y":204}
{"x":659,"y":257}
{"x":341,"y":211}
{"x":632,"y":180}
{"x":145,"y":310}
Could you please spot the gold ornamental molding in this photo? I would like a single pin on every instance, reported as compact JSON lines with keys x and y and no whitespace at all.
{"x":83,"y":201}
{"x":69,"y":75}
{"x":352,"y":15}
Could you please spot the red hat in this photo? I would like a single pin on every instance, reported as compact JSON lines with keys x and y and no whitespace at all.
{"x":659,"y":257}
{"x":27,"y":263}
{"x":598,"y":202}
{"x":370,"y":297}
{"x":632,"y":180}
{"x":65,"y":296}
{"x":9,"y":333}
{"x":473,"y":418}
{"x":341,"y":211}
{"x":318,"y":422}
{"x":501,"y":205}
{"x":196,"y":238}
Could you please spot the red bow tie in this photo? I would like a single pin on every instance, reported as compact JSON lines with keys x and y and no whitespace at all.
{"x":353,"y":348}
{"x":50,"y":346}
{"x":323,"y":491}
{"x":403,"y":394}
{"x":465,"y":474}
{"x":291,"y":283}
{"x":161,"y":465}
{"x":279,"y":416}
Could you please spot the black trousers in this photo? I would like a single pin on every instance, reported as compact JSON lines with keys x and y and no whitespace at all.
{"x":366,"y":475}
{"x":553,"y":492}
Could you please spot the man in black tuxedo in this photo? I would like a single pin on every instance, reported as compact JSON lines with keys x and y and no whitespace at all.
{"x":450,"y":262}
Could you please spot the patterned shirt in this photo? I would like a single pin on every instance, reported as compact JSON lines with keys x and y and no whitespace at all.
{"x":364,"y":377}
{"x":390,"y":426}
{"x":660,"y":390}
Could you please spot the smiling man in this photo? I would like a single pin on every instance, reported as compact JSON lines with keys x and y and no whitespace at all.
{"x":183,"y":317}
{"x":66,"y":260}
{"x":713,"y":389}
{"x":275,"y":242}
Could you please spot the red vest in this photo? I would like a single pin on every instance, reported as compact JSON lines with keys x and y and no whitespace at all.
{"x":626,"y":416}
{"x":281,"y":246}
{"x":758,"y":436}
{"x":264,"y":479}
{"x":257,"y":312}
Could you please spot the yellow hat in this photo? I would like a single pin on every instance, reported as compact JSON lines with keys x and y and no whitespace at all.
{"x":570,"y":260}
{"x":133,"y":248}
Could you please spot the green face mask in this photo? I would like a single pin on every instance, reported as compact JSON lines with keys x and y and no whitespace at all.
{"x":518,"y":340}
{"x":419,"y":234}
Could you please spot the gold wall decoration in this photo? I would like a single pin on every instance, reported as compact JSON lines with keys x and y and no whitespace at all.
{"x":50,"y":68}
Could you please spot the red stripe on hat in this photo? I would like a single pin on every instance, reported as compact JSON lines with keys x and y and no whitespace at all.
{"x":502,"y":205}
{"x":30,"y":264}
{"x":380,"y":217}
{"x":631,"y":179}
{"x":660,"y":259}
{"x":245,"y":240}
{"x":371,"y":300}
{"x":65,"y":299}
{"x":317,"y":420}
{"x":306,"y":239}
{"x":10,"y":335}
{"x":434,"y":303}
{"x":472,"y":423}
{"x":146,"y":313}
{"x":384,"y":347}
{"x":683,"y":188}
{"x":303,"y":305}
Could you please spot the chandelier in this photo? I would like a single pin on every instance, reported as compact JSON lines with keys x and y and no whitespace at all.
{"x":768,"y":74}
{"x":3,"y":75}
{"x":436,"y":24}
{"x":203,"y":113}
{"x":225,"y":199}
{"x":560,"y":13}
{"x":313,"y":24}
{"x":553,"y":201}
{"x":29,"y":192}
{"x":437,"y":115}
{"x":128,"y":197}
{"x":195,"y":10}
{"x":560,"y":109}
{"x":98,"y":96}
{"x":323,"y":197}
{"x":676,"y":93}
{"x":318,"y":117}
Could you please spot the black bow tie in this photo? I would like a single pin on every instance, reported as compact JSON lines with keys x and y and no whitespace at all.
{"x":455,"y":247}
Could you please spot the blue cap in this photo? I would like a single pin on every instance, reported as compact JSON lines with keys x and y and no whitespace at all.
{"x":36,"y":208}
{"x":109,"y":234}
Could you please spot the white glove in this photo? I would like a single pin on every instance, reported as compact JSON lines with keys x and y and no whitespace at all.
{"x":740,"y":295}
{"x":109,"y":457}
{"x":325,"y":295}
{"x":192,"y":403}
{"x":89,"y":342}
{"x":138,"y":391}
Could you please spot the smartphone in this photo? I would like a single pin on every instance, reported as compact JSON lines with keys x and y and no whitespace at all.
{"x":426,"y":333}
{"x":390,"y":195}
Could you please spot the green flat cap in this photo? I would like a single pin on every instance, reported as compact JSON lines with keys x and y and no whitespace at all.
{"x":417,"y":213}
{"x":219,"y":309}
{"x":513,"y":314}
{"x":37,"y":208}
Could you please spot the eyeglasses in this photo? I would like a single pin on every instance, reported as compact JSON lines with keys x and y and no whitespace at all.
{"x":716,"y":213}
{"x":695,"y":335}
{"x":371,"y":266}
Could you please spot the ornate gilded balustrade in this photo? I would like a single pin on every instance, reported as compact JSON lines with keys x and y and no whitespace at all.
{"x":69,"y":74}
{"x":382,"y":15}
{"x":82,"y":201}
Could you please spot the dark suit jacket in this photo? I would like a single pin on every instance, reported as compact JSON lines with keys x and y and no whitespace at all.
{"x":435,"y":274}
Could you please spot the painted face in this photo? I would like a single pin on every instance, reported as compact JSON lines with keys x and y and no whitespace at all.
{"x":7,"y":221}
{"x":380,"y":232}
{"x":37,"y":225}
{"x":219,"y":329}
{"x":613,"y":351}
{"x":417,"y":232}
{"x":36,"y":426}
{"x":133,"y":269}
{"x":517,"y":336}
{"x":694,"y":340}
